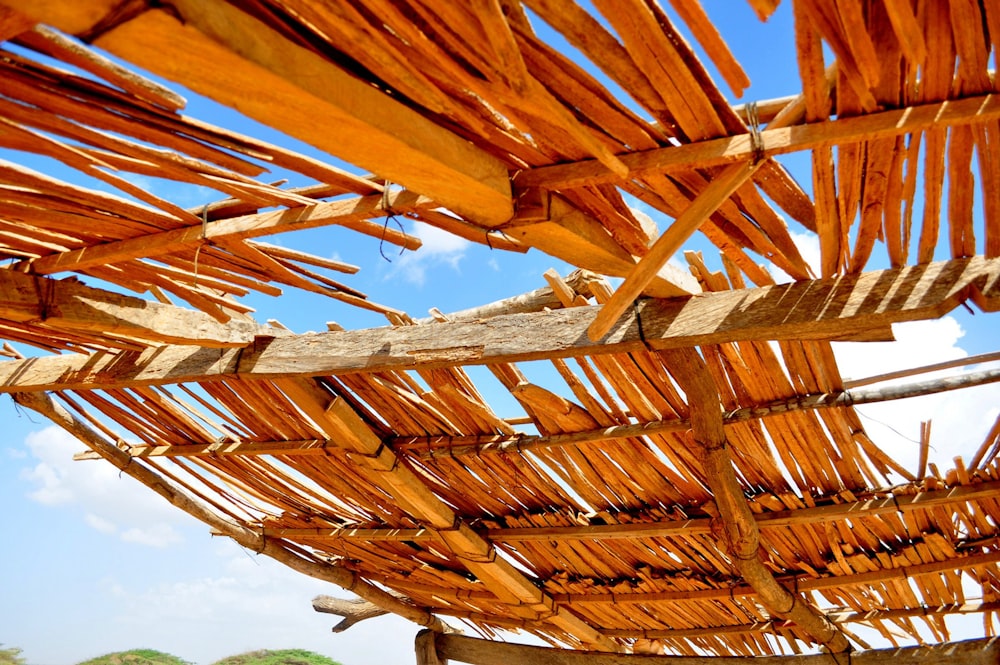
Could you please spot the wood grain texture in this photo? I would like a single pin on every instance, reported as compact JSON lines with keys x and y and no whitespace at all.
{"x":484,"y":652}
{"x":221,"y":52}
{"x":804,"y":310}
{"x":70,"y":305}
{"x":717,"y":152}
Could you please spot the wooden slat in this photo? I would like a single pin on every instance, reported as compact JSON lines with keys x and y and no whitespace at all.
{"x":343,"y":212}
{"x":217,"y":50}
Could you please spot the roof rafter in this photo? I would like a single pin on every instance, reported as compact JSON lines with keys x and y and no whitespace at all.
{"x":340,"y":422}
{"x":722,"y":151}
{"x":741,"y":536}
{"x":345,"y":212}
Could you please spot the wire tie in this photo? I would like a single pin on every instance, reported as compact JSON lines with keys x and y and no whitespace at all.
{"x":756,"y":140}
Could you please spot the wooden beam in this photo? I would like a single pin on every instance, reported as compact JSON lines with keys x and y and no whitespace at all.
{"x":179,"y":497}
{"x":487,"y":652}
{"x":428,"y":447}
{"x":68,"y":305}
{"x":817,"y":309}
{"x":342,"y":424}
{"x":343,"y":212}
{"x":741,"y":537}
{"x":740,"y":148}
{"x":219,"y":51}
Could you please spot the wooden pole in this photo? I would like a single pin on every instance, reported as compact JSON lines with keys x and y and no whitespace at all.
{"x":741,"y":536}
{"x":485,"y":652}
{"x":719,"y":152}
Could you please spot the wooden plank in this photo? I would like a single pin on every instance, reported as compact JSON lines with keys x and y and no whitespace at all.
{"x":717,"y":152}
{"x":69,"y":305}
{"x":217,"y":50}
{"x":485,"y":652}
{"x":803,"y":310}
{"x":342,"y":212}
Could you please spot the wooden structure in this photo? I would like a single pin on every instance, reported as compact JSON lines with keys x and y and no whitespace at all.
{"x":695,"y":488}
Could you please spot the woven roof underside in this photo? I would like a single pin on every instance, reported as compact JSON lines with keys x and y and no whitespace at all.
{"x":589,"y":518}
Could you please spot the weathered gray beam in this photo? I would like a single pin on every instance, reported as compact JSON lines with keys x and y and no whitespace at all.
{"x":68,"y":305}
{"x":819,"y":309}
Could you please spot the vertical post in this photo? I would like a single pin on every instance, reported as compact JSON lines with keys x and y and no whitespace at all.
{"x":426,"y":649}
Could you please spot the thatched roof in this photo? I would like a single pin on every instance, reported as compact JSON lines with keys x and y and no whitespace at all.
{"x":689,"y":485}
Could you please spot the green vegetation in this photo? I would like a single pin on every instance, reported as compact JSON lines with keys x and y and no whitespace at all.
{"x":10,"y":656}
{"x":282,"y":657}
{"x":136,"y":657}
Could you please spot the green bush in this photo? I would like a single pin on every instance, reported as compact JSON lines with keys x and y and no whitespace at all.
{"x":281,"y":657}
{"x":136,"y":657}
{"x":10,"y":656}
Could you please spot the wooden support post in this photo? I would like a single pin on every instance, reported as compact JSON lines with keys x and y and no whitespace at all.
{"x":426,"y":648}
{"x":741,"y":536}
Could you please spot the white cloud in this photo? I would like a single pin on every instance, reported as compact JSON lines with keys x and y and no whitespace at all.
{"x":439,"y":248}
{"x":251,"y":602}
{"x":15,"y":453}
{"x":99,"y":523}
{"x":107,"y":501}
{"x":808,"y":244}
{"x":155,"y":535}
{"x":960,"y":419}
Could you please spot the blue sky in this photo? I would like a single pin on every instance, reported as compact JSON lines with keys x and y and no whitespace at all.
{"x":92,"y":562}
